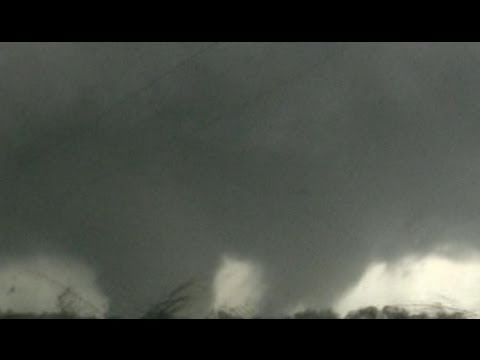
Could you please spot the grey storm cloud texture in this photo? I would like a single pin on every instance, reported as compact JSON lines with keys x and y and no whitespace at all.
{"x":290,"y":168}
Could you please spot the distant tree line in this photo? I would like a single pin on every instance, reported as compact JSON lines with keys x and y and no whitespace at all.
{"x":180,"y":298}
{"x":387,"y":312}
{"x":168,"y":311}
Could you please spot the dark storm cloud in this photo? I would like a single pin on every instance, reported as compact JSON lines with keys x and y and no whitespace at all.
{"x":311,"y":159}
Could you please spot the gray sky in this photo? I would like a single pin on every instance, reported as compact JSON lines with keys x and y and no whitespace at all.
{"x":150,"y":161}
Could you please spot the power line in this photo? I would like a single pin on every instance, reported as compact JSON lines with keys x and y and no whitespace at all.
{"x":136,"y":92}
{"x":245,"y":103}
{"x":154,"y":81}
{"x":249,"y":101}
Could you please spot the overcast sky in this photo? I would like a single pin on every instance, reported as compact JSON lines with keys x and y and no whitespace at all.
{"x":152,"y":162}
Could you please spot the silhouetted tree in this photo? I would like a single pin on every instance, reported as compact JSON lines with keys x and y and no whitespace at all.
{"x":370,"y":312}
{"x":176,"y":301}
{"x":453,"y":315}
{"x":314,"y":314}
{"x":394,"y":312}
